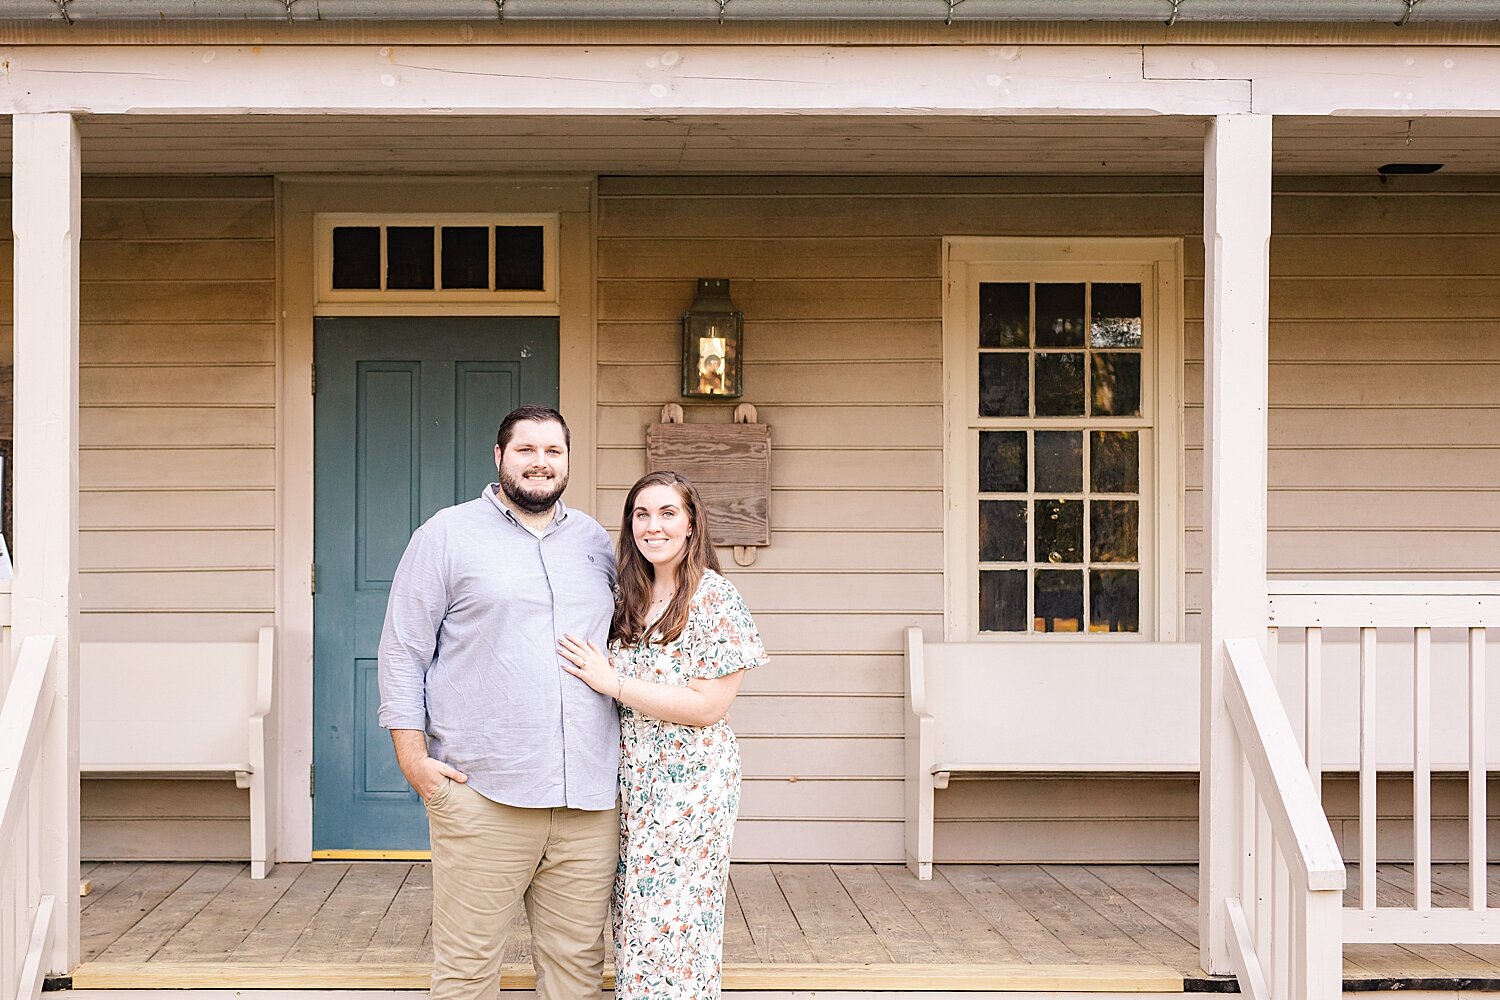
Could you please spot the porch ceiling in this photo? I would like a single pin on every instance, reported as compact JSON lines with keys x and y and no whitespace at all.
{"x":755,"y":144}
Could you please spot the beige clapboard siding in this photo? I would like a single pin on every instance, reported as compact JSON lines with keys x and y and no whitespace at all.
{"x":1384,"y":405}
{"x":177,"y":409}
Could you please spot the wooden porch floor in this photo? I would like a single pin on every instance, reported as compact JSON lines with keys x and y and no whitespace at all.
{"x":189,"y":924}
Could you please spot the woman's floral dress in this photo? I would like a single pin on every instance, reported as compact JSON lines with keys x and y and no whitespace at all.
{"x":679,"y":794}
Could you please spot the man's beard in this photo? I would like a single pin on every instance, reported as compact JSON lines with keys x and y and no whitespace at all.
{"x":531,"y":503}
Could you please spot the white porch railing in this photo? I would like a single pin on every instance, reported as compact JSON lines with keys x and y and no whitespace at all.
{"x":25,"y":913}
{"x":1285,"y":937}
{"x":1411,"y":610}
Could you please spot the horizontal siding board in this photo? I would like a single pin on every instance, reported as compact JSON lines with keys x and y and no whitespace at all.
{"x":893,"y":298}
{"x":168,"y":260}
{"x":792,"y":425}
{"x":1373,"y":385}
{"x":821,"y":756}
{"x":778,"y":798}
{"x":792,"y":715}
{"x":834,"y":509}
{"x":177,"y":508}
{"x":150,"y":626}
{"x":1369,"y":468}
{"x":160,"y":468}
{"x":817,"y":841}
{"x":850,"y":381}
{"x":769,"y":257}
{"x":857,"y":591}
{"x":1346,"y":341}
{"x":101,"y":548}
{"x":183,"y":301}
{"x":832,"y":674}
{"x":164,"y":427}
{"x":1322,"y":549}
{"x":1366,"y":426}
{"x":209,"y":590}
{"x":174,"y":343}
{"x":128,"y":218}
{"x":818,"y":339}
{"x":1348,"y":509}
{"x":823,"y":468}
{"x":840,"y":632}
{"x":119,"y":385}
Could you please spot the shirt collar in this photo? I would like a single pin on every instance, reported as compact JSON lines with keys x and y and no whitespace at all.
{"x":492,"y":494}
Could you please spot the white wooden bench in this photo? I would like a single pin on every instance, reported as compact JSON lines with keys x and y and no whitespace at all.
{"x":181,"y":710}
{"x":1056,"y":706}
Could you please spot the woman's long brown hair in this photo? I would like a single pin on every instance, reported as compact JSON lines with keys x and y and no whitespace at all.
{"x":637,"y":573}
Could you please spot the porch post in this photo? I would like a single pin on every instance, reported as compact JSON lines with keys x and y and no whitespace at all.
{"x":1236,"y":236}
{"x":45,"y":215}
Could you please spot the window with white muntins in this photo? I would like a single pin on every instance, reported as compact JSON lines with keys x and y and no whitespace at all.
{"x":1061,"y":362}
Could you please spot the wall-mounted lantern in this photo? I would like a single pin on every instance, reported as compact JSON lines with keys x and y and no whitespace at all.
{"x":712,"y":335}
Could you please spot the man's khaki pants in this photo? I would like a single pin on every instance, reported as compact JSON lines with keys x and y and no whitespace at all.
{"x":487,"y":857}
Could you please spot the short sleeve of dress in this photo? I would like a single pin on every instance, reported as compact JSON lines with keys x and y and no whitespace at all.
{"x":725,"y":638}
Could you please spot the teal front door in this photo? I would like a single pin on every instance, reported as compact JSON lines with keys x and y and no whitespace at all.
{"x":405,"y":417}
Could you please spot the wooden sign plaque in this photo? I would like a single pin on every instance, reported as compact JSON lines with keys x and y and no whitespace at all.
{"x":730,"y":464}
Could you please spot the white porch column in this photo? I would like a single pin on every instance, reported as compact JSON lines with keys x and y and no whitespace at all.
{"x":45,"y":214}
{"x":1236,"y":236}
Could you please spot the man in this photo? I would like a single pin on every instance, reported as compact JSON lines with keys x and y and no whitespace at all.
{"x":515,"y":759}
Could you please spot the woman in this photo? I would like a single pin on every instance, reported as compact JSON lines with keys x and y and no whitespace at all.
{"x":680,"y":641}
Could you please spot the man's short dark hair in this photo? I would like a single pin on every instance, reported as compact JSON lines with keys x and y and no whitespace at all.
{"x":536,"y":414}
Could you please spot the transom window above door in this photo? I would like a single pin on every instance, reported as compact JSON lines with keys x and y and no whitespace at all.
{"x":1055,"y":390}
{"x":437,"y":258}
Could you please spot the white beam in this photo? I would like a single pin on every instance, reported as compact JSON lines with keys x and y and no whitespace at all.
{"x":45,"y":213}
{"x":1344,"y":80}
{"x":624,"y":79}
{"x":1237,"y":234}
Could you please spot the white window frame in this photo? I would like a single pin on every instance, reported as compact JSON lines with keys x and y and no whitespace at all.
{"x":495,"y":301}
{"x":1158,"y":263}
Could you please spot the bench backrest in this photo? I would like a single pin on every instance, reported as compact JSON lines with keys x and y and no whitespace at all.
{"x":160,"y":704}
{"x":1065,"y":706}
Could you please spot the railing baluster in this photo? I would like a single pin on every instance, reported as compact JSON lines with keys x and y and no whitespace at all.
{"x":1478,"y":773}
{"x":1367,"y":768}
{"x":1264,"y":913}
{"x":1421,"y":770}
{"x":1312,"y":713}
{"x":1281,"y":945}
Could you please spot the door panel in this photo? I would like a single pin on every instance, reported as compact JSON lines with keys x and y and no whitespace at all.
{"x":405,"y":415}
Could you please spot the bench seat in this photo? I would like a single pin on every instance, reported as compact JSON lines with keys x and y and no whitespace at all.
{"x":182,"y":710}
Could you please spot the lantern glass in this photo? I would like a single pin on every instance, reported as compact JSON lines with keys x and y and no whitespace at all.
{"x":712,"y":334}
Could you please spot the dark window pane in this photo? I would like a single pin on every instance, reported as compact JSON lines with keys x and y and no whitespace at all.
{"x":408,"y":257}
{"x":1002,"y":600}
{"x":1059,"y":461}
{"x":466,"y":257}
{"x":1058,"y":526}
{"x":1059,"y":315}
{"x":356,"y":257}
{"x":1059,"y":601}
{"x":1002,"y":461}
{"x":1002,"y":530}
{"x":518,"y":257}
{"x":1115,"y":462}
{"x":1114,"y":530}
{"x":1117,"y":316}
{"x":1117,"y":385}
{"x":1059,"y":385}
{"x":1114,"y":600}
{"x":1004,"y":314}
{"x":1002,"y":385}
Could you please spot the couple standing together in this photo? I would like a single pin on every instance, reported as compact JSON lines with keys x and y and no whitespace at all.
{"x":520,"y":732}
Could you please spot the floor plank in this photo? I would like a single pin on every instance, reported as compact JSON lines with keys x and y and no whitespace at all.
{"x":142,"y":941}
{"x":273,"y":937}
{"x":345,"y":924}
{"x":399,"y":935}
{"x":1166,"y":903}
{"x":1016,"y":924}
{"x":1182,"y":877}
{"x":739,"y":946}
{"x":106,"y":875}
{"x":834,"y":928}
{"x":214,"y":932}
{"x":1144,"y":931}
{"x":773,"y":927}
{"x":898,"y":931}
{"x":959,"y":930}
{"x":123,"y":906}
{"x":1088,"y":935}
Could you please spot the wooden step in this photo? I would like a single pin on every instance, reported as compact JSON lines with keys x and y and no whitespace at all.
{"x":737,"y":977}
